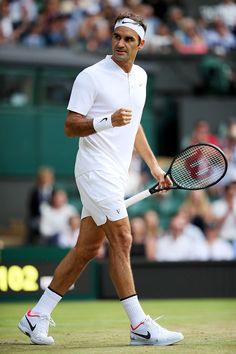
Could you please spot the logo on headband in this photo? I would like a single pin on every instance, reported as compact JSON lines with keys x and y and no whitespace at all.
{"x":127,"y":22}
{"x":133,"y":23}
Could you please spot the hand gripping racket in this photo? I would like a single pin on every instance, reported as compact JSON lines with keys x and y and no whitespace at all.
{"x":198,"y":166}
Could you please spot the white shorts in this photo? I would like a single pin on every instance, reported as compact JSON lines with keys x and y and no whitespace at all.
{"x":102,"y":196}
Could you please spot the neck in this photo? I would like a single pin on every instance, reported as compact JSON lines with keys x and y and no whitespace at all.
{"x":126,"y":66}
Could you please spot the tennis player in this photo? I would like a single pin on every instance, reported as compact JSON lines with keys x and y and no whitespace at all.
{"x":105,"y":110}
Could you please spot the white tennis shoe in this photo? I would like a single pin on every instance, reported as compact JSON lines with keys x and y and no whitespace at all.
{"x":149,"y":332}
{"x":35,"y":325}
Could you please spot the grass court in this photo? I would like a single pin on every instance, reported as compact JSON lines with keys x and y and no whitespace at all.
{"x":101,"y":327}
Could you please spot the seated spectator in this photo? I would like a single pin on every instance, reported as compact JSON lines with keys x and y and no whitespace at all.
{"x":197,"y":206}
{"x":226,"y":10}
{"x":34,"y":36}
{"x":229,"y":141}
{"x":161,"y":41}
{"x":40,"y":193}
{"x":138,"y":231}
{"x":188,"y":40}
{"x":54,"y":217}
{"x":50,"y":10}
{"x":56,"y":32}
{"x":217,"y":248}
{"x":153,"y":232}
{"x":95,"y":32}
{"x":10,"y":32}
{"x":229,"y":148}
{"x":201,"y":134}
{"x":219,"y":37}
{"x":69,"y":237}
{"x":174,"y":16}
{"x":152,"y":22}
{"x":177,"y":245}
{"x":224,"y":211}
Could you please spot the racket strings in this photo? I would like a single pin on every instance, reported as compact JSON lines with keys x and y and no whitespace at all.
{"x":198,"y":167}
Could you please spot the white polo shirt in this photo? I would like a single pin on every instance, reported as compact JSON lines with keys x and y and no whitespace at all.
{"x":99,"y":91}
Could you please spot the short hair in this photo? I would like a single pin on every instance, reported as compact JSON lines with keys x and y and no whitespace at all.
{"x":137,"y":18}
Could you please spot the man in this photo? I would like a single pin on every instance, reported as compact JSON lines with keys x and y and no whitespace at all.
{"x":105,"y":110}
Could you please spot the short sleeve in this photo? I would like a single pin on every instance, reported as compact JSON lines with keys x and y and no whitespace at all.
{"x":82,"y":94}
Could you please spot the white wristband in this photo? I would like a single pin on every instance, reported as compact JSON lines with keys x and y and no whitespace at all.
{"x":100,"y":124}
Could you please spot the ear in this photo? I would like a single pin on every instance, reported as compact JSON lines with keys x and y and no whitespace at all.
{"x":141,"y":45}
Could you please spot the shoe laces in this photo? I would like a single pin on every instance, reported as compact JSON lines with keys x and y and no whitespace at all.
{"x":153,"y":322}
{"x":49,"y":322}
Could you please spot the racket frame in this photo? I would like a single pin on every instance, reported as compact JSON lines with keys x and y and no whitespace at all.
{"x":154,"y":189}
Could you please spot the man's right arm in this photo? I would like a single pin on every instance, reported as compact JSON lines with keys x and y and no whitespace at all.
{"x":77,"y":125}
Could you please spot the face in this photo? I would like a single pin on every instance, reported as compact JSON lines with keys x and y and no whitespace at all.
{"x":125,"y":45}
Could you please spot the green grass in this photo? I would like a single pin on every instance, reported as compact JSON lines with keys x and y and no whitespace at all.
{"x":90,"y":327}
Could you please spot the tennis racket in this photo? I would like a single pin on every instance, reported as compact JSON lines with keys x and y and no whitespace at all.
{"x":199,"y":166}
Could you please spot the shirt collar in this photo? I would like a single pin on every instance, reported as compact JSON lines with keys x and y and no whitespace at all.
{"x":116,"y":67}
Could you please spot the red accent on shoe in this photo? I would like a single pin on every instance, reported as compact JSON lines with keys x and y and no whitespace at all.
{"x":30,"y":315}
{"x":134,"y":328}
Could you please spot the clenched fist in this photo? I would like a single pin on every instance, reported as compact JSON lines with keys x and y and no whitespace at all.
{"x":121,"y":117}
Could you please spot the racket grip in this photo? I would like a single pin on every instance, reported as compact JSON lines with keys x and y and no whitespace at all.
{"x":137,"y":197}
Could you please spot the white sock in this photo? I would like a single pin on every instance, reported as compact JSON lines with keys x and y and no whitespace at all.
{"x":47,"y":302}
{"x":134,"y":310}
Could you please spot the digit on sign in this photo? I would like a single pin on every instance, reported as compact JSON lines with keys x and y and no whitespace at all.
{"x":15,"y":278}
{"x":3,"y":278}
{"x":31,"y":275}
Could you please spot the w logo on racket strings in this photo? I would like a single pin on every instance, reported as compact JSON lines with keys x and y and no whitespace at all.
{"x":198,"y":165}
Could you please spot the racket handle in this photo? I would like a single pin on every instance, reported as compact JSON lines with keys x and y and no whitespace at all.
{"x":137,"y":197}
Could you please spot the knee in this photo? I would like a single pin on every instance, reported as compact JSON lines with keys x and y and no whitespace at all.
{"x":87,"y":252}
{"x":121,"y":241}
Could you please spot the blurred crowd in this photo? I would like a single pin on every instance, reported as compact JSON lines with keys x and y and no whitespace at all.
{"x":87,"y":24}
{"x":200,"y":227}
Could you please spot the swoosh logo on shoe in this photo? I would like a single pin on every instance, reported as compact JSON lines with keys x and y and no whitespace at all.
{"x":30,"y":324}
{"x":29,"y":314}
{"x":146,"y":336}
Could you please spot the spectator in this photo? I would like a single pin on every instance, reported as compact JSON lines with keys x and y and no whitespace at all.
{"x":174,"y":16}
{"x":95,"y":32}
{"x":226,"y":10}
{"x":201,"y":134}
{"x":9,"y":31}
{"x":40,"y":193}
{"x":161,"y":41}
{"x":197,"y":206}
{"x":54,"y":217}
{"x":34,"y":37}
{"x":229,"y":141}
{"x":56,"y":31}
{"x":69,"y":237}
{"x":219,"y":38}
{"x":217,"y":248}
{"x":224,"y":211}
{"x":229,"y":147}
{"x":153,"y":232}
{"x":177,"y":245}
{"x":152,"y":22}
{"x":20,"y":9}
{"x":188,"y":40}
{"x":138,"y":231}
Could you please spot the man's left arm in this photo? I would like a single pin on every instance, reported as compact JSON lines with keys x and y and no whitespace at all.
{"x":143,"y":148}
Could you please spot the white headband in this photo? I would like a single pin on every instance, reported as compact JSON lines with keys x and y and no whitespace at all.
{"x":135,"y":26}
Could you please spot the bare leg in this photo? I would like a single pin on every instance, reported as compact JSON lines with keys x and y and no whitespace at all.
{"x":69,"y":269}
{"x":119,"y":236}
